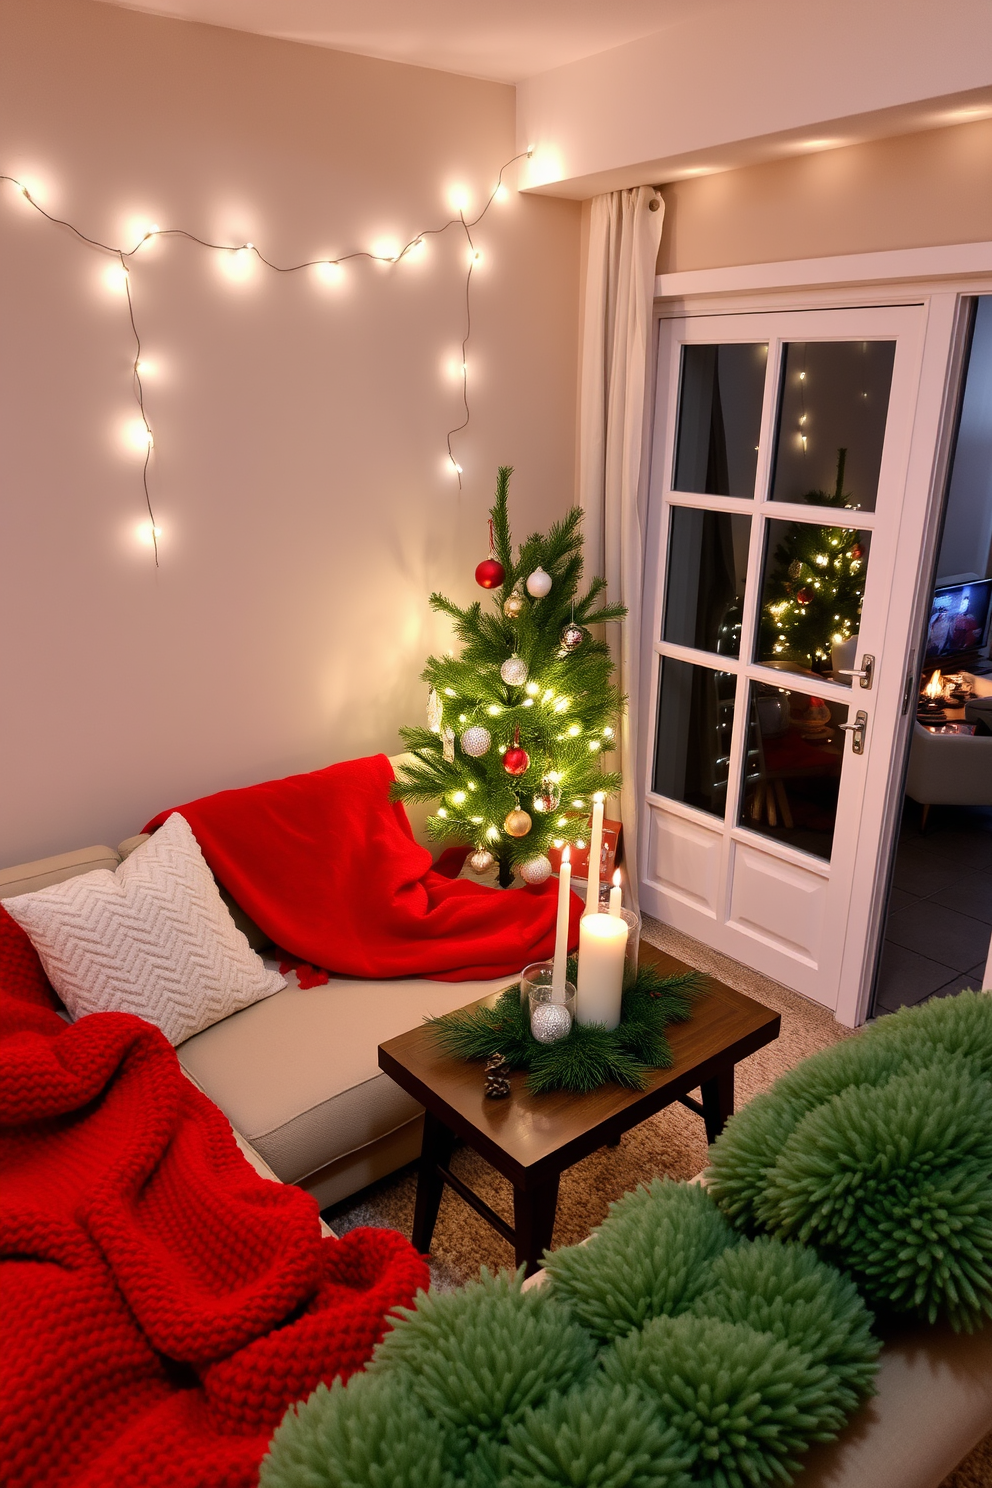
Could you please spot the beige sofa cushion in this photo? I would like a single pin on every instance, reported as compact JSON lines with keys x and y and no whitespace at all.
{"x":26,"y":878}
{"x":298,"y":1074}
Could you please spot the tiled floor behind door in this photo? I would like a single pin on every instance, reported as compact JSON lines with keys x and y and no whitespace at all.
{"x":940,"y":913}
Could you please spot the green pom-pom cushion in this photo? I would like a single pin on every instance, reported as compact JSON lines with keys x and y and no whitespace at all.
{"x":478,"y":1357}
{"x":666,"y":1353}
{"x":598,"y":1437}
{"x":650,"y":1257}
{"x":372,"y":1433}
{"x":744,"y":1404}
{"x":878,"y":1153}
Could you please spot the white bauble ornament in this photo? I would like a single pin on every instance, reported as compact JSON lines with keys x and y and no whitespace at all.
{"x":481,"y":860}
{"x":517,"y":822}
{"x":539,"y":583}
{"x":550,"y":1022}
{"x":475,"y":741}
{"x":514,"y":671}
{"x":536,"y":870}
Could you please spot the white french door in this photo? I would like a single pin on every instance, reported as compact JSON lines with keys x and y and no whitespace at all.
{"x":778,"y":613}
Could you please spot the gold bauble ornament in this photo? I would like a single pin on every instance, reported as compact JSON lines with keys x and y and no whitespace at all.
{"x":517,"y":822}
{"x":514,"y":604}
{"x":481,"y":860}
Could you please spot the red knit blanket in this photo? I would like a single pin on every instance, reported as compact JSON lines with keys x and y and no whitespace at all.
{"x":328,"y":867}
{"x":161,"y":1303}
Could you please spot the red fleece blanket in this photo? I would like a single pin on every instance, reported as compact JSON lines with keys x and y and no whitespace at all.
{"x":328,"y":867}
{"x":161,"y":1303}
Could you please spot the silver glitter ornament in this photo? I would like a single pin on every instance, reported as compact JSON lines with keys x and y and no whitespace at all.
{"x":481,"y":860}
{"x":572,"y":636}
{"x":435,"y":711}
{"x":550,"y":1022}
{"x":536,"y":870}
{"x":475,"y":741}
{"x":548,"y":797}
{"x":514,"y":671}
{"x":448,"y":745}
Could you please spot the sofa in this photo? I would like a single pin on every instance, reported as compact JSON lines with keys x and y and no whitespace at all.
{"x":297,"y":1074}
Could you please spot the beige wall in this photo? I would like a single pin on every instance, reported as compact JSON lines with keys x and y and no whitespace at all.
{"x":298,"y":471}
{"x":911,"y":191}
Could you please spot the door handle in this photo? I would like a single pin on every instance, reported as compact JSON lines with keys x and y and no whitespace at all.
{"x":866,"y":671}
{"x":857,"y":730}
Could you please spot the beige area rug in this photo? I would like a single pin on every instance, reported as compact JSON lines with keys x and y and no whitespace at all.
{"x":673,"y":1143}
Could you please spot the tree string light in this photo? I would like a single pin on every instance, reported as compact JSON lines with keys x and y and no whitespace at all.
{"x":122,"y":255}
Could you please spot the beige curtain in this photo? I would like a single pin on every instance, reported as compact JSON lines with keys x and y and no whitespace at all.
{"x":617,"y":340}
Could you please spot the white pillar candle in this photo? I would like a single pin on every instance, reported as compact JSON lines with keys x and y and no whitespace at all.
{"x":615,"y":895}
{"x":561,"y":929}
{"x":595,"y":856}
{"x":602,"y":943}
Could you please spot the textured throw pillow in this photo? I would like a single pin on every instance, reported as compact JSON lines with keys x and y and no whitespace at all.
{"x":154,"y":939}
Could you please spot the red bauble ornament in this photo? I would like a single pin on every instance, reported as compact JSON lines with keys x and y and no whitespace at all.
{"x":516,"y":760}
{"x":857,"y":551}
{"x":803,"y":597}
{"x":490,"y":573}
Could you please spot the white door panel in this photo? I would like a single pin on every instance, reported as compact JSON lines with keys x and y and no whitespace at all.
{"x":783,"y":465}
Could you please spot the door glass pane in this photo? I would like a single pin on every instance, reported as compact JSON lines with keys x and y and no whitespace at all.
{"x":719,"y":420}
{"x":695,"y":722}
{"x":792,"y":765}
{"x":707,"y":565}
{"x":831,"y":422}
{"x":812,"y":587}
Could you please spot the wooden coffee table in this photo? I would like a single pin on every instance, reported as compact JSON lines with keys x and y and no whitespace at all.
{"x":532,"y":1139}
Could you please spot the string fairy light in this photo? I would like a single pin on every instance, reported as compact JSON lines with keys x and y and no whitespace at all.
{"x":329,"y":268}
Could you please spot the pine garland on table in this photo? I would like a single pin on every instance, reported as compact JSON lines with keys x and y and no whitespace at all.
{"x":588,"y":1056}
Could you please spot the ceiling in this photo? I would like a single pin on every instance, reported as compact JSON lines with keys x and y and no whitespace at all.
{"x":503,"y":40}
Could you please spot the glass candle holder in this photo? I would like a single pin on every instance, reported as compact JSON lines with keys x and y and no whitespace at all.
{"x":633,"y":923}
{"x":552,"y":1009}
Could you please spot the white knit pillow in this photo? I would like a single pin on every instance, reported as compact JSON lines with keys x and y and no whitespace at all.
{"x":155,"y":938}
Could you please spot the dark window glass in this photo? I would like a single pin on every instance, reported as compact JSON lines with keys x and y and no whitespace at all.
{"x":707,"y":566}
{"x":812,"y":586}
{"x":720,"y":418}
{"x":831,"y":422}
{"x":792,"y":765}
{"x":695,"y":722}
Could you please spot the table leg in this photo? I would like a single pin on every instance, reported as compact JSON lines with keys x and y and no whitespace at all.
{"x":437,"y":1147}
{"x":534,"y":1222}
{"x":718,"y":1102}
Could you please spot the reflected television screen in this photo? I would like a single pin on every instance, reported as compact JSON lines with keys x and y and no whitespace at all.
{"x":959,"y":620}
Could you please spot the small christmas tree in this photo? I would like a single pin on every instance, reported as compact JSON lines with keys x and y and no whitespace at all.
{"x":517,"y":723}
{"x":813,"y":596}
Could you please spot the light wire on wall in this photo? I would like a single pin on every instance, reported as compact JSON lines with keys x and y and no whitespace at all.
{"x":123,"y":255}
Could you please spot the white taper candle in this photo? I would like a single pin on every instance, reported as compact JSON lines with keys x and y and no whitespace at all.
{"x":616,"y":895}
{"x":595,"y":856}
{"x":561,"y":928}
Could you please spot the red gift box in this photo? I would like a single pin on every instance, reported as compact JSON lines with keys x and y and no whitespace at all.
{"x":579,"y":856}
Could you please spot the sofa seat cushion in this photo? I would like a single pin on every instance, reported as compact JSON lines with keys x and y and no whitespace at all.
{"x":298,"y":1074}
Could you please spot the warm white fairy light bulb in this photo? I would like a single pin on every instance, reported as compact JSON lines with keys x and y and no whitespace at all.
{"x":138,"y":435}
{"x":459,"y":199}
{"x":329,"y":272}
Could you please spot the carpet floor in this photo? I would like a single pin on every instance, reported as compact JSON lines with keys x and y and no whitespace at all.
{"x":673,"y":1143}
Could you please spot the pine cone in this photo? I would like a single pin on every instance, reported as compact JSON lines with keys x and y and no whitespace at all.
{"x":497,"y":1070}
